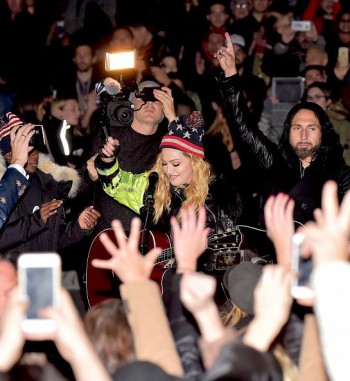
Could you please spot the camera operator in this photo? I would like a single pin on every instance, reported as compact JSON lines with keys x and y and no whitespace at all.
{"x":139,"y":143}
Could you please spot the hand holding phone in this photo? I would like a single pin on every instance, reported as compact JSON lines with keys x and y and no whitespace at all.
{"x":302,"y":268}
{"x":39,"y":281}
{"x":38,"y":139}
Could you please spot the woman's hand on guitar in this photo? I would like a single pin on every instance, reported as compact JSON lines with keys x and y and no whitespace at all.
{"x":126,"y":261}
{"x":190,"y":239}
{"x":278,"y":212}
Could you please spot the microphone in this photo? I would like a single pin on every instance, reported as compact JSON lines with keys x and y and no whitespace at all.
{"x":112,"y":86}
{"x":146,"y":211}
{"x":152,"y":180}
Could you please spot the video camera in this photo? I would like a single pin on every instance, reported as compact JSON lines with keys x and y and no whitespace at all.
{"x":116,"y":107}
{"x":117,"y":110}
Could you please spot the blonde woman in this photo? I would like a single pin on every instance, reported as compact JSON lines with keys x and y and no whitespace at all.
{"x":180,"y":176}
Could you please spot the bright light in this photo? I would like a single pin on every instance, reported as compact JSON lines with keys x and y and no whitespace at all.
{"x":119,"y":61}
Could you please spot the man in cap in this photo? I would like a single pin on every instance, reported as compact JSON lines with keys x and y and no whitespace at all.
{"x":37,"y":223}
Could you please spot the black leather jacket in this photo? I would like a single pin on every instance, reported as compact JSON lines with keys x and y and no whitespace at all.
{"x":223,"y":206}
{"x":304,"y":186}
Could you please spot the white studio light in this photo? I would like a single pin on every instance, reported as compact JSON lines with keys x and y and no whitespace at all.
{"x":120,"y":61}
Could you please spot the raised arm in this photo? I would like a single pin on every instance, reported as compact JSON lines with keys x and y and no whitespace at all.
{"x":145,"y":313}
{"x":235,"y":107}
{"x":327,"y":240}
{"x":14,"y":182}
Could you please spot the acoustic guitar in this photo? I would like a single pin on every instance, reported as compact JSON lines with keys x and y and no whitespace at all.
{"x":223,"y":251}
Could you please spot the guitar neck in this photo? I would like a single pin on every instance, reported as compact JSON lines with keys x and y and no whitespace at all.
{"x":166,"y":255}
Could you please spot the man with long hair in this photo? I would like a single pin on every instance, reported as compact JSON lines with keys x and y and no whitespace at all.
{"x":309,"y":151}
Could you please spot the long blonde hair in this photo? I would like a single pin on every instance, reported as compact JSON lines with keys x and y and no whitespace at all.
{"x":195,"y":193}
{"x":230,"y":317}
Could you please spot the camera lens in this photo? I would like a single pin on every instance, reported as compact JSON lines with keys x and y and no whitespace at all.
{"x":120,"y":113}
{"x":123,"y":114}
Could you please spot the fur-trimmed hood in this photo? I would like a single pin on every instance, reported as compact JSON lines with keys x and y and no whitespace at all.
{"x":58,"y":172}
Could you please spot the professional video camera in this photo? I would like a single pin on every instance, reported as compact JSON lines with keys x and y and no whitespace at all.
{"x":117,"y":110}
{"x":114,"y":102}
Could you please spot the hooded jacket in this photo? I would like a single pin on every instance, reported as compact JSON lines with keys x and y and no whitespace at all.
{"x":24,"y":230}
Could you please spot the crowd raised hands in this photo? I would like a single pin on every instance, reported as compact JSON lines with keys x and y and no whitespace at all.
{"x":326,"y":240}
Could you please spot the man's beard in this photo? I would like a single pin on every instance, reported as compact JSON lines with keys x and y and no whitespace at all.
{"x":304,"y":153}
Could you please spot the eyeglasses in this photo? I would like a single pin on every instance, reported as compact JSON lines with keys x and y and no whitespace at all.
{"x":239,"y":6}
{"x":316,"y":97}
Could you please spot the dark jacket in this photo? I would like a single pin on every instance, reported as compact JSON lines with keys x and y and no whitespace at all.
{"x":25,"y":231}
{"x":223,"y":207}
{"x":282,"y":167}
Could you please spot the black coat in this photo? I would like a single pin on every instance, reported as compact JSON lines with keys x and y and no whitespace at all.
{"x":304,"y":186}
{"x":25,"y":231}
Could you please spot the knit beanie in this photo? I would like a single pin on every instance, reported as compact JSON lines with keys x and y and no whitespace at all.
{"x":185,"y":133}
{"x":11,"y":120}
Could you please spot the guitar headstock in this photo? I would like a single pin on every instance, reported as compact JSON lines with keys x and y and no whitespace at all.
{"x":229,"y":239}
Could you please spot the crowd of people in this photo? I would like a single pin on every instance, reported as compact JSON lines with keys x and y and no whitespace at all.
{"x":175,"y":188}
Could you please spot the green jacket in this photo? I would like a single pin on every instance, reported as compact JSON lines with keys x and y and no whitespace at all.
{"x":125,"y":187}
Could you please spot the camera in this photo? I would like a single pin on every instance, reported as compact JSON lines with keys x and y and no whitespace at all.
{"x":146,"y":94}
{"x":38,"y":139}
{"x":119,"y":112}
{"x":116,"y":108}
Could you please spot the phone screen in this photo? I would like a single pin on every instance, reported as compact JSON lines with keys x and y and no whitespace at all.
{"x":305,"y":269}
{"x":39,"y":284}
{"x":302,"y":268}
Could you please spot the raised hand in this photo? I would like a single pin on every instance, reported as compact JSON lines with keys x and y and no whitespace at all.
{"x":167,"y":100}
{"x":126,"y":261}
{"x":48,"y":209}
{"x":190,"y":238}
{"x":196,"y":294}
{"x":72,"y":341}
{"x":272,"y":304}
{"x":227,"y":58}
{"x":327,"y":238}
{"x":20,"y":137}
{"x":278,"y":213}
{"x":196,"y":291}
{"x":11,"y":335}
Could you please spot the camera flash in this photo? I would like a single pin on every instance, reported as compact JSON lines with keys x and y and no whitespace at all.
{"x":120,"y":61}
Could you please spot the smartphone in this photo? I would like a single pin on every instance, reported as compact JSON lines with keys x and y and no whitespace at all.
{"x":39,"y":282}
{"x":302,"y":268}
{"x":343,"y":56}
{"x":301,"y":26}
{"x":38,"y":139}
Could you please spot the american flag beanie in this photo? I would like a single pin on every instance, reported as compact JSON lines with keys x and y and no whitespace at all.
{"x":185,"y":133}
{"x":11,"y":120}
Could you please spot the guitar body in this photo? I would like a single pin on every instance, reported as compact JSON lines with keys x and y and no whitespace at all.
{"x":103,"y":284}
{"x":223,"y":251}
